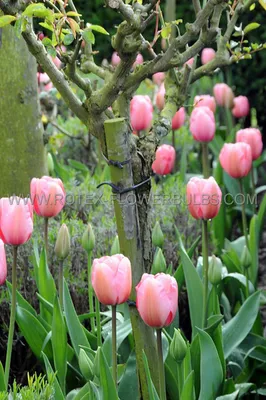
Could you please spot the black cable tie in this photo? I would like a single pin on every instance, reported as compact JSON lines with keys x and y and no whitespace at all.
{"x":118,"y":164}
{"x":116,"y":189}
{"x":131,"y":303}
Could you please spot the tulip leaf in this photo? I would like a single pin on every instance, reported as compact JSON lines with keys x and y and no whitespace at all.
{"x":34,"y":332}
{"x":151,"y":389}
{"x":231,"y":396}
{"x":235,"y":331}
{"x":262,"y":214}
{"x":211,"y":372}
{"x":254,"y":248}
{"x":123,"y":330}
{"x":188,"y":388}
{"x":47,"y":287}
{"x":20,"y":300}
{"x":59,"y":344}
{"x":194,"y":288}
{"x":107,"y":382}
{"x":128,"y":385}
{"x":75,"y":329}
{"x":219,"y":224}
{"x":2,"y":378}
{"x":52,"y":379}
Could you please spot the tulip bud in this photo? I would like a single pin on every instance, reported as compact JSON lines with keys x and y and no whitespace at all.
{"x":62,"y":245}
{"x":159,"y":263}
{"x":215,"y":271}
{"x":245,"y":258}
{"x":157,"y":235}
{"x":88,"y":239}
{"x":85,"y":365}
{"x":178,"y":346}
{"x":115,"y":249}
{"x":50,"y":163}
{"x":96,"y":365}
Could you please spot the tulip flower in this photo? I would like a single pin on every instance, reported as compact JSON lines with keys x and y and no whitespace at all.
{"x":139,"y":60}
{"x":190,"y":62}
{"x":202,"y":124}
{"x":159,"y":98}
{"x":241,"y":107}
{"x":141,"y":110}
{"x":157,"y":299}
{"x":253,"y":137}
{"x":115,"y":60}
{"x":158,"y":78}
{"x":203,"y":197}
{"x":164,"y":160}
{"x":207,"y":55}
{"x":3,"y":268}
{"x":236,"y":159}
{"x":205,"y":100}
{"x":224,"y":95}
{"x":111,"y":279}
{"x":16,"y":223}
{"x":48,"y":196}
{"x":179,"y":118}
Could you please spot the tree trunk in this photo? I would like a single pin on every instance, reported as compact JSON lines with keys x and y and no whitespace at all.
{"x":22,"y":154}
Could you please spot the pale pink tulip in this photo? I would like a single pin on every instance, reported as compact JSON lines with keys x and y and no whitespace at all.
{"x":159,"y":98}
{"x":179,"y":119}
{"x":3,"y":268}
{"x":16,"y":220}
{"x":111,"y":279}
{"x":253,"y":137}
{"x":205,"y":100}
{"x":236,"y":159}
{"x":190,"y":62}
{"x":158,"y":78}
{"x":207,"y":55}
{"x":48,"y":196}
{"x":139,"y":60}
{"x":202,"y":124}
{"x":203,"y":198}
{"x":224,"y":95}
{"x":115,"y":59}
{"x":241,"y":107}
{"x":141,"y":110}
{"x":164,"y":160}
{"x":157,"y":299}
{"x":42,"y":78}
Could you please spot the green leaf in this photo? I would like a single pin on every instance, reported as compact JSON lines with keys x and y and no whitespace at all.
{"x":98,"y":28}
{"x":47,"y":26}
{"x":59,"y":344}
{"x":239,"y":326}
{"x":88,"y":36}
{"x":166,"y":31}
{"x":251,"y":27}
{"x":47,"y":287}
{"x":6,"y":20}
{"x":194,"y":288}
{"x":151,"y":389}
{"x":219,"y":224}
{"x":231,"y":396}
{"x":128,"y":385}
{"x":37,"y":10}
{"x":20,"y":300}
{"x":188,"y":388}
{"x":2,"y":378}
{"x":195,"y":362}
{"x":262,"y":214}
{"x":52,"y":379}
{"x":211,"y":372}
{"x":68,"y":39}
{"x":123,"y":330}
{"x":34,"y":332}
{"x":107,"y":382}
{"x":254,"y":248}
{"x":240,"y":278}
{"x":75,"y":329}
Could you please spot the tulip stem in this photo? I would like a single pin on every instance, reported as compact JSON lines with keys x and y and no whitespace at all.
{"x":98,"y":322}
{"x":161,"y":365}
{"x":180,"y":377}
{"x":114,"y":356}
{"x":205,"y":255}
{"x":60,"y":282}
{"x":205,"y":160}
{"x":90,"y":292}
{"x":12,"y":315}
{"x":244,"y":217}
{"x":46,"y":235}
{"x":253,"y":189}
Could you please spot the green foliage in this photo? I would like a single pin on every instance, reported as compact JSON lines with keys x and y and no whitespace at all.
{"x":38,"y":389}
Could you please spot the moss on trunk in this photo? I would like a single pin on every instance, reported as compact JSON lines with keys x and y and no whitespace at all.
{"x":22,"y":154}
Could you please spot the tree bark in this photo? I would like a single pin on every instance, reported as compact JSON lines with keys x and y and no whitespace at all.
{"x":21,"y":132}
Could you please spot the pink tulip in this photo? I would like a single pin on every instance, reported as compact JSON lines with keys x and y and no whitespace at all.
{"x":16,"y":220}
{"x":48,"y":87}
{"x":157,"y":299}
{"x":224,"y":95}
{"x":42,"y":77}
{"x":48,"y":196}
{"x":111,"y":279}
{"x":141,"y":110}
{"x":202,"y":124}
{"x":241,"y":107}
{"x":115,"y":59}
{"x":203,"y":197}
{"x":56,"y":61}
{"x":190,"y":62}
{"x":236,"y":159}
{"x":3,"y":268}
{"x":159,"y":98}
{"x":205,"y":100}
{"x":164,"y":160}
{"x":179,"y":119}
{"x":139,"y":60}
{"x":158,"y":78}
{"x":253,"y":137}
{"x":207,"y":55}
